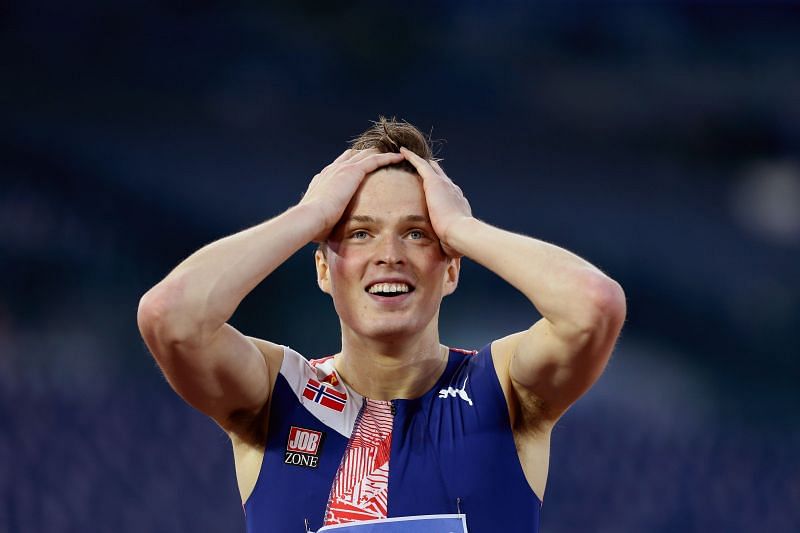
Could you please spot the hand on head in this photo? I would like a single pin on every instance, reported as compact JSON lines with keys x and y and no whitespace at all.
{"x":332,"y":189}
{"x":446,"y":201}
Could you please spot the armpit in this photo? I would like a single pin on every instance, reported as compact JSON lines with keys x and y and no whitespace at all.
{"x":529,"y":414}
{"x":249,"y":427}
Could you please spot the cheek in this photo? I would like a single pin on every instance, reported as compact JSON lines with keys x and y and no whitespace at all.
{"x":344,"y":273}
{"x":435,"y":266}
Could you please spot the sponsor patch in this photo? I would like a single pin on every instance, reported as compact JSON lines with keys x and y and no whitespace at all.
{"x":303,"y":447}
{"x":451,"y":392}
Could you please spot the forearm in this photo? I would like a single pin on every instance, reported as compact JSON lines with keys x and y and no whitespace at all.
{"x":203,"y":291}
{"x":567,"y":290}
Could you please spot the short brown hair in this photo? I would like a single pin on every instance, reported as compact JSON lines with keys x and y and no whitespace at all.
{"x":389,"y":134}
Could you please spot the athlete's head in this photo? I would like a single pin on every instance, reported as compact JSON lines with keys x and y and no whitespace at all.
{"x":388,"y":135}
{"x":383,"y":263}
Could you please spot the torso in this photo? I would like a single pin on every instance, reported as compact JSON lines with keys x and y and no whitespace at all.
{"x":531,"y":434}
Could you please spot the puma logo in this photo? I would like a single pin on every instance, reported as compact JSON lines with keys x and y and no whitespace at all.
{"x":450,"y":392}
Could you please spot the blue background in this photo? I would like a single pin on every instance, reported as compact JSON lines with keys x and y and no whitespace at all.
{"x":658,"y":140}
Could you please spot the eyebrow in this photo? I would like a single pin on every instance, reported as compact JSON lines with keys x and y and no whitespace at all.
{"x":365,"y":219}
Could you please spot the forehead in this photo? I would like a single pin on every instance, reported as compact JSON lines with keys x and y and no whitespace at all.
{"x":388,"y":192}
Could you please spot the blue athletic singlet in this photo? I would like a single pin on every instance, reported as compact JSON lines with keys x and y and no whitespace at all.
{"x":333,"y":456}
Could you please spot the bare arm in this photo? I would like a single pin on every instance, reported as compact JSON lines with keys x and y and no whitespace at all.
{"x":583,"y":310}
{"x":183,"y":319}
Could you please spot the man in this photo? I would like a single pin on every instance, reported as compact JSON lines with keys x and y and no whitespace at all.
{"x":395,"y":424}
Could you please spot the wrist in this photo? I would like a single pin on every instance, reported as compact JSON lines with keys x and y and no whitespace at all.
{"x":309,"y":217}
{"x":458,"y":230}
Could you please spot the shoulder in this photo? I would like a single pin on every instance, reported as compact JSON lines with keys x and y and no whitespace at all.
{"x":501,"y":352}
{"x":249,"y":427}
{"x":271,"y":351}
{"x":273,"y":354}
{"x":502,"y":348}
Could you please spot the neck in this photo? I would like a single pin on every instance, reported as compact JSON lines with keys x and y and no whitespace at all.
{"x":391,"y":369}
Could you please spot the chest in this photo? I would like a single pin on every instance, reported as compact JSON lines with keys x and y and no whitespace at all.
{"x":408,"y":457}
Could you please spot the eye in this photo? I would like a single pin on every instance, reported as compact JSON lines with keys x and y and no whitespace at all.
{"x":359,"y":234}
{"x":416,"y":234}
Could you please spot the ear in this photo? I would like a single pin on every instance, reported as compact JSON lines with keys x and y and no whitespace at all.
{"x":451,"y":275}
{"x":323,"y":271}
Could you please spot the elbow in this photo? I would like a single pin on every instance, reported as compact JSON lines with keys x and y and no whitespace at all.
{"x":154,"y":317}
{"x":603,"y":306}
{"x":151,"y":313}
{"x":162,"y":321}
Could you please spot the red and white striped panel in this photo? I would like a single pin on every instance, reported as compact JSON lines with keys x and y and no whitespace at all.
{"x":361,"y":487}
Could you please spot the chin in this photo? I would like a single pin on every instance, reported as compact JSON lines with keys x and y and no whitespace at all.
{"x":387,"y":329}
{"x":388,"y":332}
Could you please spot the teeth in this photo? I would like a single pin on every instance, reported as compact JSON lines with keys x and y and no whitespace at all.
{"x":389,"y":287}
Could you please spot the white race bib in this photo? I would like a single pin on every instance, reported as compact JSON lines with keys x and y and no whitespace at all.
{"x":434,"y":523}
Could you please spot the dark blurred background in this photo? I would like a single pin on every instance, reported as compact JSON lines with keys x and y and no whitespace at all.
{"x":659,"y":141}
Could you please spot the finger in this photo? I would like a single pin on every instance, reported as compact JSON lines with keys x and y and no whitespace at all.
{"x":342,"y":157}
{"x":359,"y":155}
{"x":349,"y":156}
{"x":439,"y":170}
{"x":422,"y":165}
{"x":376,"y":161}
{"x":354,"y":157}
{"x":347,"y":153}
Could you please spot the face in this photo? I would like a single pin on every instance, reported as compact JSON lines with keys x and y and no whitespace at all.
{"x":384,"y":266}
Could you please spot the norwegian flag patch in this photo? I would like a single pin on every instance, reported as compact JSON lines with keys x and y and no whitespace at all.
{"x":325,"y":395}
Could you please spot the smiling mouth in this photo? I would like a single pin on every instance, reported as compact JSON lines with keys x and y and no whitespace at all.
{"x":389,"y":290}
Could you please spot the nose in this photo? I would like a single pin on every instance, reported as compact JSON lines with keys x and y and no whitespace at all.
{"x":389,"y":251}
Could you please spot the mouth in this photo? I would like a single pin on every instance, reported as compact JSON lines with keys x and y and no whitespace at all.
{"x":389,"y":289}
